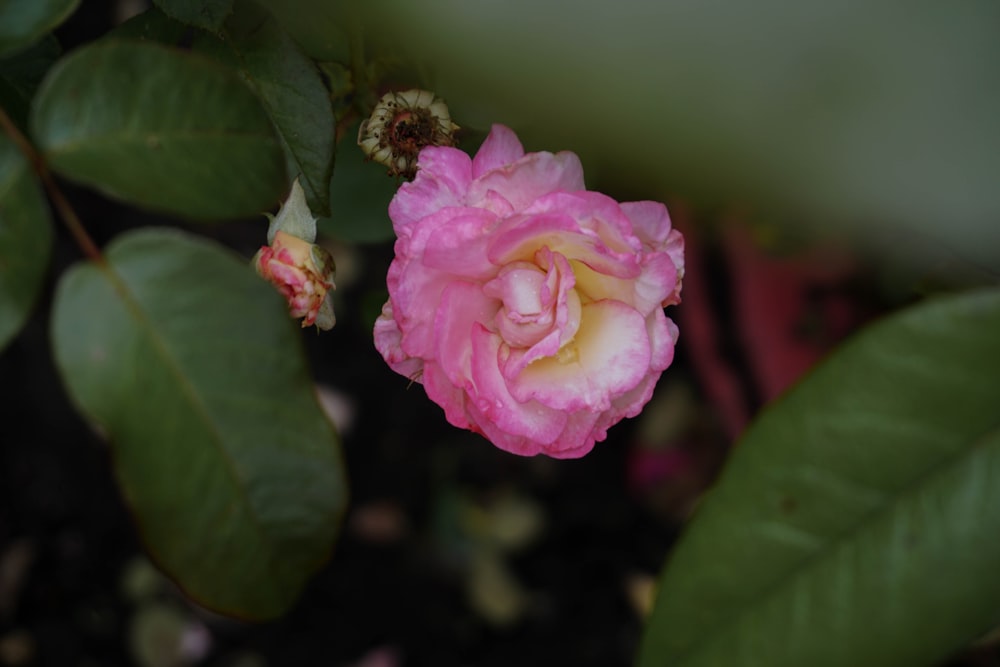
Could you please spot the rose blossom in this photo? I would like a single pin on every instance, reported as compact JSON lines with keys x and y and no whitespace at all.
{"x":302,"y":272}
{"x":530,"y":308}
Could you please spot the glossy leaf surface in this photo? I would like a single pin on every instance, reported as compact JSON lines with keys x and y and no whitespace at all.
{"x":291,"y":91}
{"x":858,"y":520}
{"x":151,"y":25}
{"x":161,"y":128}
{"x":207,"y":14}
{"x":25,"y":240}
{"x":189,"y":364}
{"x":23,"y":22}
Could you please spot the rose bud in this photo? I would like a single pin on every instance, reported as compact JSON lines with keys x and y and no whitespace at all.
{"x":302,"y":271}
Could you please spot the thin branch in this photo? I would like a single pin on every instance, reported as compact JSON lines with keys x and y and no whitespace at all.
{"x":59,"y":201}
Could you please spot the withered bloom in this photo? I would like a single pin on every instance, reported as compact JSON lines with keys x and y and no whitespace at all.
{"x":402,"y":124}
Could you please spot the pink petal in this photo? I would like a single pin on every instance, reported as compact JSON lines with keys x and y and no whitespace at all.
{"x":582,"y":430}
{"x":561,"y":299}
{"x":609,"y":355}
{"x":421,"y":234}
{"x":663,"y":337}
{"x":529,"y":178}
{"x":633,"y":401}
{"x":519,"y":285}
{"x":459,"y":245}
{"x":287,"y":275}
{"x":463,"y":305}
{"x":594,"y":213}
{"x":495,"y":410}
{"x":605,"y":250}
{"x":662,"y":340}
{"x":387,"y":342}
{"x":443,"y":176}
{"x":675,"y":250}
{"x":518,"y":238}
{"x":650,"y":221}
{"x":502,"y":147}
{"x":656,"y":284}
{"x":426,"y":262}
{"x":453,"y":399}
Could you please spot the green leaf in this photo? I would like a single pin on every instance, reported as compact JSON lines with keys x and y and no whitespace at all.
{"x":151,"y":25}
{"x":858,"y":520}
{"x":359,"y":197}
{"x":189,"y":364}
{"x":161,"y":128}
{"x":25,"y":240}
{"x":21,"y":74}
{"x":23,"y":22}
{"x":319,"y":26}
{"x":207,"y":14}
{"x":291,"y":90}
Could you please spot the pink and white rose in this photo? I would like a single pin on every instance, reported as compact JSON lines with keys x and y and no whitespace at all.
{"x":530,"y":308}
{"x":300,"y":269}
{"x":302,"y":272}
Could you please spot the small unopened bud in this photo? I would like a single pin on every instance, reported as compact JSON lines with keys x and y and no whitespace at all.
{"x":302,"y":271}
{"x":401,"y":125}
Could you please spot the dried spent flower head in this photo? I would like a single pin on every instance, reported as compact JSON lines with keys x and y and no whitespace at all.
{"x":401,"y":125}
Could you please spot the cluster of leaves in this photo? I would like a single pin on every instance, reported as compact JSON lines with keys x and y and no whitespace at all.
{"x":167,"y":342}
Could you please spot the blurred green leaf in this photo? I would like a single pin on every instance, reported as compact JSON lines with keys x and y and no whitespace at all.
{"x":878,"y":116}
{"x":151,"y":25}
{"x":160,"y":128}
{"x":291,"y":91}
{"x":25,"y":239}
{"x":189,"y":364}
{"x":858,"y":520}
{"x":207,"y":14}
{"x":340,"y":81}
{"x":359,"y":197}
{"x":320,"y":27}
{"x":21,"y":74}
{"x":23,"y":22}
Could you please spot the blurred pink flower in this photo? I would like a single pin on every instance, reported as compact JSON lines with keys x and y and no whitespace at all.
{"x":302,"y":272}
{"x":530,"y":308}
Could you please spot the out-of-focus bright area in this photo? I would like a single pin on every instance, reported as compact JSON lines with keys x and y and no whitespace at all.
{"x":879,"y":117}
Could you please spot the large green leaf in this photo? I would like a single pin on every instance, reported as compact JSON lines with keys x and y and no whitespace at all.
{"x":24,"y":21}
{"x":189,"y":364}
{"x":151,"y":25}
{"x":207,"y":14}
{"x":858,"y":521}
{"x":161,"y":128}
{"x":25,"y":239}
{"x":321,"y":27}
{"x":21,"y":74}
{"x":291,"y":91}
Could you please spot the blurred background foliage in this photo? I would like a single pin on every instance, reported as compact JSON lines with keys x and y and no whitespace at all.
{"x":875,"y":117}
